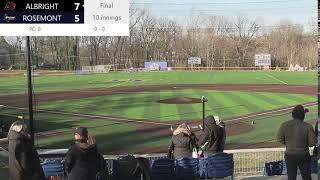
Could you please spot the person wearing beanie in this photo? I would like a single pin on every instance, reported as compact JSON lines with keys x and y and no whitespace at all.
{"x":82,"y":161}
{"x":297,"y":136}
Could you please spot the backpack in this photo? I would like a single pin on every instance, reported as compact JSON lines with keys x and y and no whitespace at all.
{"x":275,"y":168}
{"x":129,"y":168}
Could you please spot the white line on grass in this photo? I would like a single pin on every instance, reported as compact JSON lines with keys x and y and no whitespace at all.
{"x":116,"y":119}
{"x":270,"y":112}
{"x":157,"y":123}
{"x":276,"y":79}
{"x":115,"y":85}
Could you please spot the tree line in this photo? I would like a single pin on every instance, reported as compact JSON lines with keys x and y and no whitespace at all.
{"x":218,"y":40}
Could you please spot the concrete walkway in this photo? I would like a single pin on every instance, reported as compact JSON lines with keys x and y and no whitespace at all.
{"x":314,"y":177}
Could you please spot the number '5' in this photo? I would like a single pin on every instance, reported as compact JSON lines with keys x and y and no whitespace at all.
{"x":76,"y":18}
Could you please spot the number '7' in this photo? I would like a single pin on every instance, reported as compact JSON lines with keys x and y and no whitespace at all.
{"x":77,"y":6}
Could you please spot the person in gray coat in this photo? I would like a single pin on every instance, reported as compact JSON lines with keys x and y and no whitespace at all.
{"x":24,"y":163}
{"x":297,"y":136}
{"x":182,"y":143}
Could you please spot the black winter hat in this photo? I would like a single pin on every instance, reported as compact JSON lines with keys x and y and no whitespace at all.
{"x":298,"y":112}
{"x":82,"y":131}
{"x":210,"y":119}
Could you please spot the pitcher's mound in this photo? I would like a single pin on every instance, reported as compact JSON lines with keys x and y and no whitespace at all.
{"x":180,"y":100}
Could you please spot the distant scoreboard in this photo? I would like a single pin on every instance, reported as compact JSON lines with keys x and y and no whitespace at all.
{"x":64,"y":18}
{"x":262,"y":60}
{"x":194,"y":60}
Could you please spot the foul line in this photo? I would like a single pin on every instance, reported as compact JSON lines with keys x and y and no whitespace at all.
{"x":276,"y":79}
{"x":156,"y":123}
{"x":270,"y":112}
{"x":95,"y":116}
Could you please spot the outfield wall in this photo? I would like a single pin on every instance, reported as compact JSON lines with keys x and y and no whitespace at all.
{"x":196,"y":68}
{"x":186,"y":68}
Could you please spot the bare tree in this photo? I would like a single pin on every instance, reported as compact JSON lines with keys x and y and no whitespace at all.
{"x":219,"y":41}
{"x":243,"y":34}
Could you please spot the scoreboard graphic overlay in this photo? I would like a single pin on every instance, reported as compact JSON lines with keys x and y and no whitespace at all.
{"x":64,"y":17}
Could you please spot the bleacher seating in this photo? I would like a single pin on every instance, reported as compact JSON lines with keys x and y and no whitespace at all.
{"x":53,"y":168}
{"x":187,"y":169}
{"x":163,"y":169}
{"x":218,"y":165}
{"x":314,"y":164}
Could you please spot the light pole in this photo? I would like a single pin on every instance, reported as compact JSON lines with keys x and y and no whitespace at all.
{"x":29,"y":77}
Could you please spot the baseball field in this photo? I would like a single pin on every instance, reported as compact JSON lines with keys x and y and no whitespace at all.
{"x":133,"y":112}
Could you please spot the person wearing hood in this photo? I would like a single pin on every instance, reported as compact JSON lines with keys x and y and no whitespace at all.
{"x":297,"y":136}
{"x":316,"y":131}
{"x":212,"y":138}
{"x":24,"y":161}
{"x":82,"y":161}
{"x":182,"y":143}
{"x":222,"y":126}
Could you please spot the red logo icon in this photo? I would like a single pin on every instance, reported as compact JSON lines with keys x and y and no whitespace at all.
{"x":10,"y":6}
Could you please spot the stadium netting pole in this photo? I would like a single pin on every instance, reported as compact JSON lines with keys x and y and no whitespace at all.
{"x":203,"y":100}
{"x":203,"y":113}
{"x":30,"y":100}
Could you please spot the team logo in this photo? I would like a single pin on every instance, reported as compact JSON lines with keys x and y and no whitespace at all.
{"x":9,"y":18}
{"x":10,"y":6}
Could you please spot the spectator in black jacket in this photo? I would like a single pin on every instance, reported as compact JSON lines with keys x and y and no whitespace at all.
{"x":222,"y":125}
{"x":24,"y":163}
{"x":182,"y":143}
{"x":316,"y":130}
{"x":212,"y":140}
{"x":297,"y":136}
{"x":82,"y":161}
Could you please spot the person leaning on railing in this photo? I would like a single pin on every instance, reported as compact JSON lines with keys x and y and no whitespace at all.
{"x":182,"y":143}
{"x":316,"y":130}
{"x":82,"y":161}
{"x":297,"y":136}
{"x":24,"y":162}
{"x":213,"y":138}
{"x":222,"y":125}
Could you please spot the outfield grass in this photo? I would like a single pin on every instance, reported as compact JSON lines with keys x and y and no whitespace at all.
{"x":144,"y":105}
{"x":267,"y":128}
{"x":18,"y":84}
{"x":117,"y":137}
{"x":112,"y":136}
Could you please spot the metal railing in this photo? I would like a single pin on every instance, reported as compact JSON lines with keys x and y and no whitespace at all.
{"x":249,"y":162}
